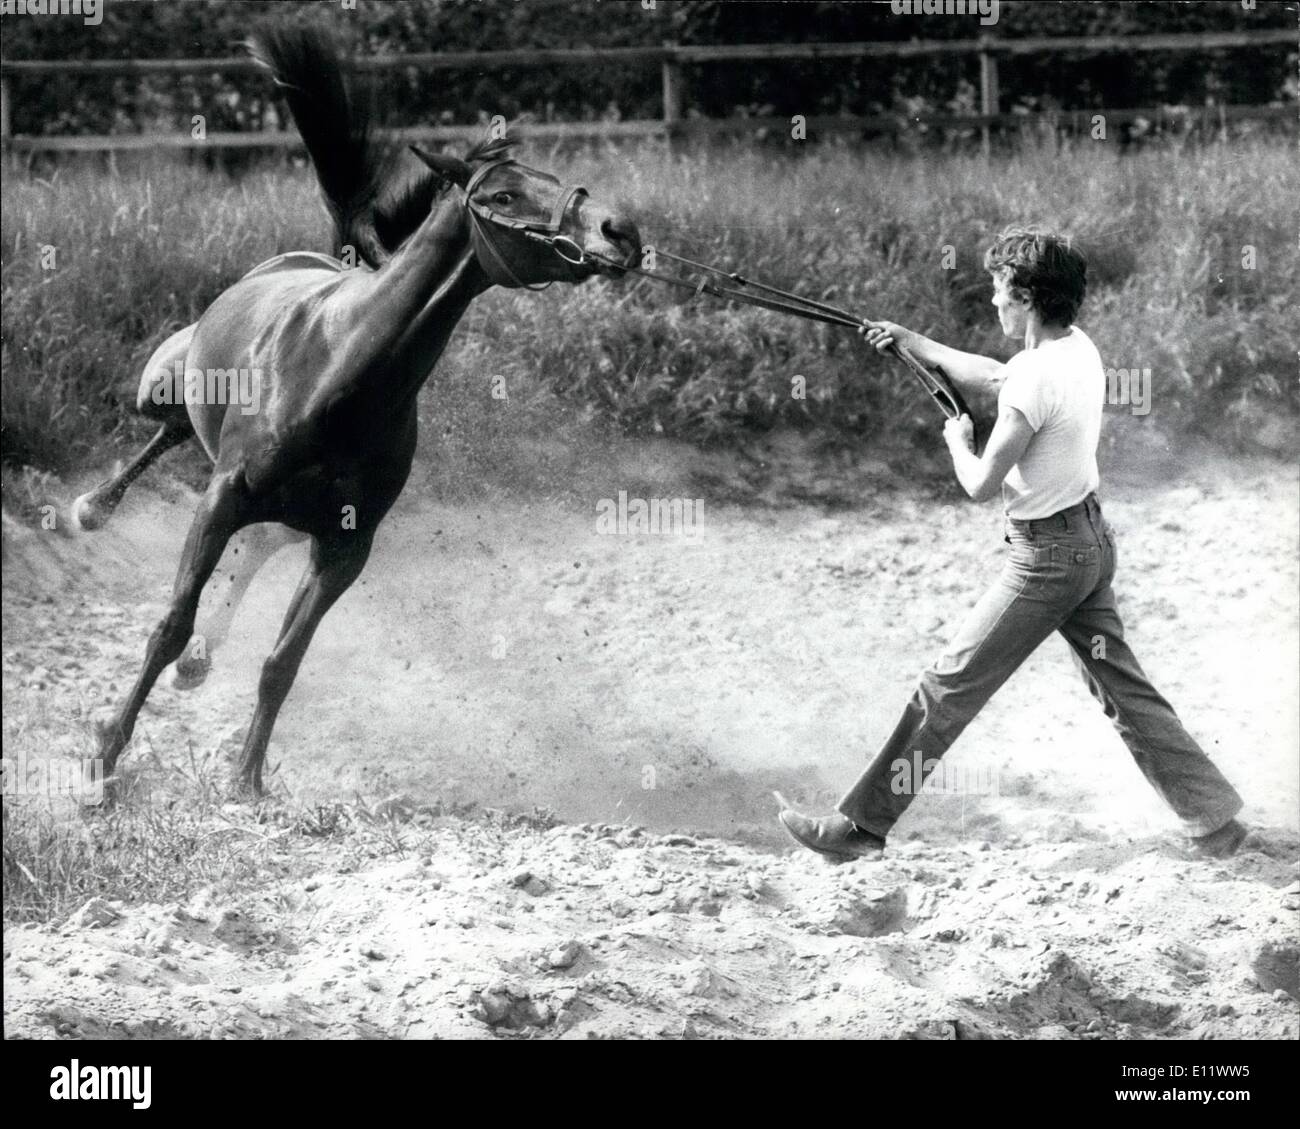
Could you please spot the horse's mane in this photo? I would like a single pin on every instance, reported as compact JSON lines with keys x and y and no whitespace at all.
{"x":404,"y":203}
{"x":374,"y":206}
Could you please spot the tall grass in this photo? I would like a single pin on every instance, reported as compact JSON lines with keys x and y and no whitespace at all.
{"x":139,"y":254}
{"x":134,"y":257}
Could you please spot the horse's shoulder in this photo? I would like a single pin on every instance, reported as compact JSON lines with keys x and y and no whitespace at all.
{"x":296,"y":260}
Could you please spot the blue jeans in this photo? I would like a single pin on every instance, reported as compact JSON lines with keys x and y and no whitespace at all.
{"x":1058,"y":578}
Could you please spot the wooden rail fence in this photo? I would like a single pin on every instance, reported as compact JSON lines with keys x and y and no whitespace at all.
{"x":671,"y":59}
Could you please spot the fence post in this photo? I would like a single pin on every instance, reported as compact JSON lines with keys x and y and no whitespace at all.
{"x":988,"y":90}
{"x":6,"y":127}
{"x":672,"y":83}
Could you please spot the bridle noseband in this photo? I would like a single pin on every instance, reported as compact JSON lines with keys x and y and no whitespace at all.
{"x":484,"y":218}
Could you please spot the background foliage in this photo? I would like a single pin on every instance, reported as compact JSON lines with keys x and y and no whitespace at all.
{"x":206,"y":28}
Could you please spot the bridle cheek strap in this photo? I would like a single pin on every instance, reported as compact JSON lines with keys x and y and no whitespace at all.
{"x":561,"y":207}
{"x":482,"y":240}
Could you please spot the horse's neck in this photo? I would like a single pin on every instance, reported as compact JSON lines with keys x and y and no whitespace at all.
{"x":421,"y":294}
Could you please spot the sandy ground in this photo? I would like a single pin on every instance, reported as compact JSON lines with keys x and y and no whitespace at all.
{"x":651,"y":692}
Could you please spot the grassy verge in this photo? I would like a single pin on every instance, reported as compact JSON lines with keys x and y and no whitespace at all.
{"x":161,"y":843}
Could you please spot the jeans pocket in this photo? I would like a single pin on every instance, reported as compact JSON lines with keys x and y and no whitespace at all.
{"x":1031,"y":566}
{"x":1060,"y":568}
{"x":1081,"y":556}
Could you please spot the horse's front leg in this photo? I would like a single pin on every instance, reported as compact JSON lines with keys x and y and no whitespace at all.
{"x":258,"y":544}
{"x":334,"y":565}
{"x":220,"y":514}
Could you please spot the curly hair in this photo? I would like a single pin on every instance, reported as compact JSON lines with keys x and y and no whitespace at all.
{"x":1047,"y":266}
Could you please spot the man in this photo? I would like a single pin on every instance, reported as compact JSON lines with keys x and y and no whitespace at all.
{"x":1042,"y":455}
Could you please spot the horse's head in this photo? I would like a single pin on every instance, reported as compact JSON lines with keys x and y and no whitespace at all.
{"x":527,"y":228}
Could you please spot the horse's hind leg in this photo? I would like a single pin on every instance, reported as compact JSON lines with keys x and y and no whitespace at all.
{"x":94,"y":508}
{"x":334,"y":565}
{"x":219,"y":516}
{"x":259,"y":544}
{"x":160,"y":396}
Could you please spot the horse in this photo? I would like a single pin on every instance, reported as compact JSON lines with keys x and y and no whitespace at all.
{"x":156,"y":399}
{"x":340,"y":355}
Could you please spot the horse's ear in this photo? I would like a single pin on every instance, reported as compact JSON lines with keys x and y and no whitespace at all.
{"x":452,"y":168}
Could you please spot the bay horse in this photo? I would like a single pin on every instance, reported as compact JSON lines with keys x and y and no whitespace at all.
{"x":341,"y":355}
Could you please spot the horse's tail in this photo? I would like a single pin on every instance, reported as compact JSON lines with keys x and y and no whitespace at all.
{"x":349,"y":163}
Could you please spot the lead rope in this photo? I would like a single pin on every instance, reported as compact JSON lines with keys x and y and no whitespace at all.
{"x":938,"y":388}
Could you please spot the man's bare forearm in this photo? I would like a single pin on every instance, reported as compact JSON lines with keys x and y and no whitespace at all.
{"x":969,"y":470}
{"x":970,"y":372}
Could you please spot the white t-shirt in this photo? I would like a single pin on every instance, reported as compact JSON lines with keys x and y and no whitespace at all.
{"x":1060,"y":388}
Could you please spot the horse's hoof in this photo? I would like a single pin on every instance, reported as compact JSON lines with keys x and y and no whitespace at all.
{"x":189,"y":673}
{"x":245,"y":791}
{"x":87,"y":515}
{"x":104,"y":725}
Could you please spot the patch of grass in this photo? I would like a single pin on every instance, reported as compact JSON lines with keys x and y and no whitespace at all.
{"x":165,"y":841}
{"x":55,"y":859}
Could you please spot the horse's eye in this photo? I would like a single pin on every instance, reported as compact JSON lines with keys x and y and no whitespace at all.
{"x":503,"y":198}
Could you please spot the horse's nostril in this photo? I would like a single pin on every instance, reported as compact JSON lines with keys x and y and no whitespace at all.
{"x":621,"y":232}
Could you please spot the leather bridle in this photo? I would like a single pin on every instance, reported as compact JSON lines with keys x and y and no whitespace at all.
{"x":483,"y":219}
